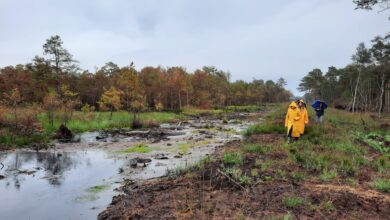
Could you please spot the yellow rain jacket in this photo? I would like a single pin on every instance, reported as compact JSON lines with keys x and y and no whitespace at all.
{"x":303,"y":121}
{"x":292,"y":120}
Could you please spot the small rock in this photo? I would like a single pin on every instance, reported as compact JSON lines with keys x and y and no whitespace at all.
{"x":101,"y":137}
{"x":178,"y":156}
{"x":2,"y":177}
{"x":143,"y":160}
{"x":135,"y":161}
{"x":160,"y":157}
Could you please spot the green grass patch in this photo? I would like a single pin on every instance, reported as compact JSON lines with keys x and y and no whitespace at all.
{"x":382,"y":185}
{"x":93,"y":121}
{"x":327,"y":206}
{"x":234,"y":158}
{"x":375,"y":140}
{"x":328,"y":175}
{"x":248,"y":108}
{"x":98,"y":188}
{"x":294,"y":202}
{"x":197,"y":112}
{"x":183,"y":148}
{"x":139,"y":148}
{"x":298,"y":176}
{"x":82,"y":122}
{"x":256,"y":148}
{"x":238,"y":175}
{"x":264,"y":129}
{"x":381,"y":164}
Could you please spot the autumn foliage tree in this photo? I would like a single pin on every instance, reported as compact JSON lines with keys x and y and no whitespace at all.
{"x":51,"y":103}
{"x":53,"y":81}
{"x":111,"y":99}
{"x":13,"y":99}
{"x":132,"y":98}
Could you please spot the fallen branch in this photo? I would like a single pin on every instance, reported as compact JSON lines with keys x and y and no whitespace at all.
{"x":231,"y":179}
{"x":319,"y":212}
{"x":2,"y":165}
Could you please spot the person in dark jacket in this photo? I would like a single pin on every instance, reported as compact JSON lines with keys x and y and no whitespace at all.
{"x":320,"y":110}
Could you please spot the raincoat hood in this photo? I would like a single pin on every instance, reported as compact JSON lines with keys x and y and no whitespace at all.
{"x":293,"y":104}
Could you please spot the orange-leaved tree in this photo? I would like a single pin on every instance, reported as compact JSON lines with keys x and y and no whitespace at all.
{"x":111,"y":99}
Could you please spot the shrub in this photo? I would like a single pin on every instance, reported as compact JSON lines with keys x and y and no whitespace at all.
{"x":86,"y":108}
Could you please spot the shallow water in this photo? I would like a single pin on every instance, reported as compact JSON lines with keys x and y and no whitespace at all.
{"x":59,"y":187}
{"x":54,"y":184}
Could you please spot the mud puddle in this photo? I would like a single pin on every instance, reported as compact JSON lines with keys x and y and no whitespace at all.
{"x":77,"y":180}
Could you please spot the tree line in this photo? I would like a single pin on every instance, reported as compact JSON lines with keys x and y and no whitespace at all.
{"x":362,"y":85}
{"x":55,"y":81}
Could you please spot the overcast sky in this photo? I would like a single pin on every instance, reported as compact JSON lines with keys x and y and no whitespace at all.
{"x":249,"y":38}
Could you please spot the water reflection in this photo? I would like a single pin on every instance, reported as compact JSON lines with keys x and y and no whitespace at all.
{"x":52,"y":164}
{"x":47,"y":185}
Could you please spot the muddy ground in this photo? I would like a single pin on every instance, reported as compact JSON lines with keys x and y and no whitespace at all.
{"x":208,"y":193}
{"x":87,"y":167}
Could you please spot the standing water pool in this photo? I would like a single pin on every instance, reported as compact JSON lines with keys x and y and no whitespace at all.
{"x":77,"y":180}
{"x":56,"y":185}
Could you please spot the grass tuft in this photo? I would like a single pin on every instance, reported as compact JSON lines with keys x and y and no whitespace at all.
{"x":234,"y":158}
{"x":294,"y":201}
{"x":382,"y":185}
{"x":139,"y":148}
{"x":256,"y":148}
{"x":264,"y":129}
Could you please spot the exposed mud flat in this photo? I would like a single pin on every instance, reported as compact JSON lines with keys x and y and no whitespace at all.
{"x":76,"y":179}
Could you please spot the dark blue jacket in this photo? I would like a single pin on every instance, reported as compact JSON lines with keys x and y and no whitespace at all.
{"x":319,"y":111}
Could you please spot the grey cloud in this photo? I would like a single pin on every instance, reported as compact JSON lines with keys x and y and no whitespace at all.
{"x":249,"y":38}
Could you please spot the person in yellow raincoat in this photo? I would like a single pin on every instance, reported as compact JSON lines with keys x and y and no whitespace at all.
{"x":304,"y":120}
{"x":292,"y":121}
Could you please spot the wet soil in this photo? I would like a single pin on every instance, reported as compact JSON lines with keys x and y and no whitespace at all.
{"x":207,"y":193}
{"x":61,"y":174}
